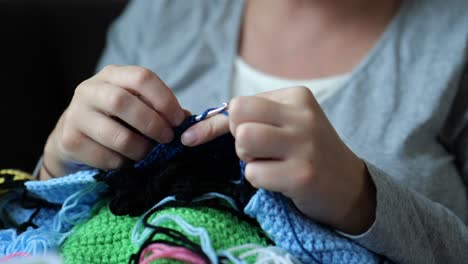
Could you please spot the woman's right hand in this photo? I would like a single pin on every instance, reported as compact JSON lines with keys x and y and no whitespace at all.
{"x":104,"y":124}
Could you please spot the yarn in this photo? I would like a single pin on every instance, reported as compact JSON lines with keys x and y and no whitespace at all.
{"x":158,"y":251}
{"x":177,"y":239}
{"x":214,"y":200}
{"x":174,"y":169}
{"x":14,"y":255}
{"x":107,"y":238}
{"x":192,"y":231}
{"x":54,"y":221}
{"x":264,"y":255}
{"x":303,"y":238}
{"x":12,"y":180}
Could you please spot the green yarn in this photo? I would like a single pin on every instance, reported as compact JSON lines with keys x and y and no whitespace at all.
{"x":106,"y":238}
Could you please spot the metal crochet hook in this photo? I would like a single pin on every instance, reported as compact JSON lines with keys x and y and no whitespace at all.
{"x":212,"y":112}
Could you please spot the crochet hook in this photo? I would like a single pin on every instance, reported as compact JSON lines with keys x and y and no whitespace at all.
{"x":211,"y":112}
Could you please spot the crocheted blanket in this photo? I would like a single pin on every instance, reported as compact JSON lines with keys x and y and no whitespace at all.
{"x":67,"y":202}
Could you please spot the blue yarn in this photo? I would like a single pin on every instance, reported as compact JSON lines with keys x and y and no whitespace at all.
{"x":140,"y":234}
{"x":77,"y":193}
{"x":224,"y":112}
{"x":205,"y":114}
{"x":288,"y":220}
{"x":73,"y":211}
{"x":302,"y":237}
{"x":215,"y":195}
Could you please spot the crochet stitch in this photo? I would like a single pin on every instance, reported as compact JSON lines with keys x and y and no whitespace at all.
{"x":308,"y":241}
{"x":174,"y":169}
{"x":106,"y":238}
{"x":74,"y":196}
{"x":77,"y":193}
{"x":12,"y":179}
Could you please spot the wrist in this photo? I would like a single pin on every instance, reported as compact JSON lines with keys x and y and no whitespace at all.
{"x":52,"y":166}
{"x":359,"y":215}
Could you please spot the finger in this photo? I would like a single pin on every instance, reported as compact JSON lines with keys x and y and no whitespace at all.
{"x":278,"y":175}
{"x":295,"y":96}
{"x":206,"y":130}
{"x":113,"y":135}
{"x":147,"y":85}
{"x":83,"y":149}
{"x":187,"y":113}
{"x":261,"y":141}
{"x":258,"y":110}
{"x":118,"y":102}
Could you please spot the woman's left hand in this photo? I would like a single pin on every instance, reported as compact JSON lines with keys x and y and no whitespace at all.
{"x":291,"y":147}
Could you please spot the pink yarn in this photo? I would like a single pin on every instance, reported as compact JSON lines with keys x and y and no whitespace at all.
{"x":159,"y":251}
{"x":14,"y":255}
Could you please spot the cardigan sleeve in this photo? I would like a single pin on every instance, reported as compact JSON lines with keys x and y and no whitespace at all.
{"x":411,"y":228}
{"x":125,"y":34}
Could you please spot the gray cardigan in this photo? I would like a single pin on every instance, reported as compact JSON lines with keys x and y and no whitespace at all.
{"x":404,"y":110}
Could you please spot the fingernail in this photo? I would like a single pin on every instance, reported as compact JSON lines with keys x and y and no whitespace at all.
{"x":167,"y":135}
{"x":188,"y":138}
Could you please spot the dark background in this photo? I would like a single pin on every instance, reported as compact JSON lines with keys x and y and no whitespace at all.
{"x":47,"y":48}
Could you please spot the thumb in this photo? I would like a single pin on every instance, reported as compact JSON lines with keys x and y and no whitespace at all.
{"x":206,"y":130}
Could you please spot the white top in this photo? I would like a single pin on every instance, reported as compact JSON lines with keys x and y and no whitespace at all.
{"x":249,"y":81}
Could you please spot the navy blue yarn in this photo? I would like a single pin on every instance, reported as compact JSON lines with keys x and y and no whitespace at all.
{"x":224,"y":112}
{"x":205,"y":114}
{"x":174,"y":169}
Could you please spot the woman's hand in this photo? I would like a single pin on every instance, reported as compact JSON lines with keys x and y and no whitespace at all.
{"x":291,"y":147}
{"x":104,"y":124}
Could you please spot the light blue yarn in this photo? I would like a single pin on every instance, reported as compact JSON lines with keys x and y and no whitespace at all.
{"x":231,"y":257}
{"x":303,"y":238}
{"x":139,"y":233}
{"x":73,"y":210}
{"x":139,"y":236}
{"x":77,"y":193}
{"x":215,"y":195}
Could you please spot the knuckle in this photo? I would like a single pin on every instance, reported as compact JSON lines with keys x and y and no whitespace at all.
{"x":142,"y":75}
{"x":235,"y":106}
{"x":166,"y":106}
{"x":119,"y":100}
{"x":209,"y":130}
{"x":115,"y":162}
{"x":81,"y":88}
{"x":304,"y":94}
{"x":121,"y":140}
{"x":242,"y":151}
{"x":151,"y":126}
{"x":302,"y":91}
{"x":244,"y":133}
{"x":310,"y":118}
{"x":304,"y":175}
{"x":70,"y":140}
{"x":251,"y":177}
{"x":108,"y":68}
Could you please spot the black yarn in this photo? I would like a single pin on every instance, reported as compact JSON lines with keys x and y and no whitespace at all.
{"x":26,"y":201}
{"x":174,"y":169}
{"x":215,"y":204}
